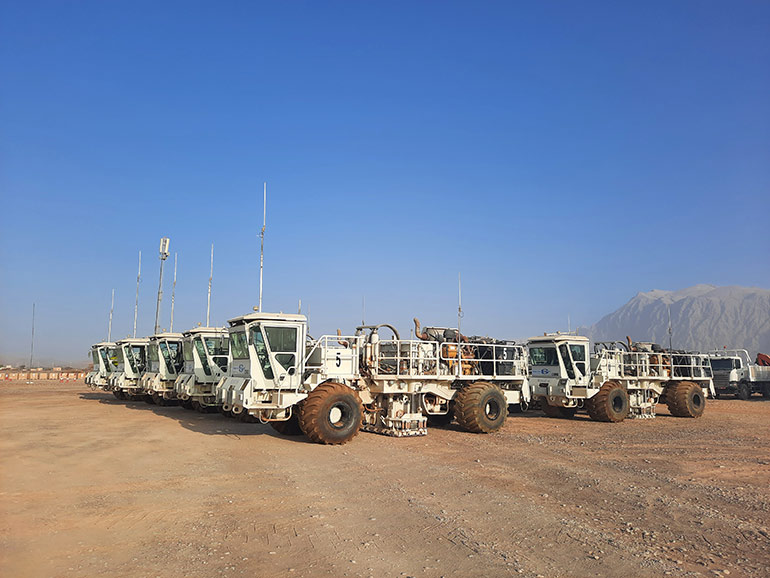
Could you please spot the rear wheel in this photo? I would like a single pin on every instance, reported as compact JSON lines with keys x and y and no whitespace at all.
{"x":610,"y":404}
{"x":481,"y":408}
{"x":686,"y":399}
{"x":744,"y":391}
{"x":766,"y":391}
{"x":331,"y":414}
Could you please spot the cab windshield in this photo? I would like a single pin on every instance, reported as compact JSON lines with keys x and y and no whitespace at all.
{"x":264,"y":357}
{"x":238,"y":345}
{"x":106,"y":360}
{"x":543,"y":356}
{"x":95,"y":357}
{"x":723,"y":364}
{"x":170,"y":351}
{"x":187,"y":350}
{"x":202,"y":355}
{"x":153,"y":352}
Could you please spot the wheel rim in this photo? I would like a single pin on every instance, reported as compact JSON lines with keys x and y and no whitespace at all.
{"x":339,"y":415}
{"x":618,"y":404}
{"x":492,"y":409}
{"x":697,"y":400}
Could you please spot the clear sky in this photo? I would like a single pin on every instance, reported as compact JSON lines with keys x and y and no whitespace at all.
{"x":562,"y":156}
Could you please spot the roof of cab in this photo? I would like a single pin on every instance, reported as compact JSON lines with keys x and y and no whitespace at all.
{"x":551,"y":337}
{"x":134,"y":340}
{"x":166,"y":335}
{"x":266,"y":317}
{"x":206,"y":330}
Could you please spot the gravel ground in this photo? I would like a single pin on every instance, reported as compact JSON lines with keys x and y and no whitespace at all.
{"x":90,"y":486}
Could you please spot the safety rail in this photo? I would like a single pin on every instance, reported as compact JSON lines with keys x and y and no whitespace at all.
{"x":645,"y":364}
{"x":402,"y":358}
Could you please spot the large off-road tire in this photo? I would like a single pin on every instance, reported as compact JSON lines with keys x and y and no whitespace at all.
{"x":331,"y":414}
{"x":766,"y":391}
{"x":685,"y":399}
{"x":480,"y":407}
{"x":290,"y":427}
{"x":743,"y":391}
{"x":610,"y":404}
{"x":116,"y":393}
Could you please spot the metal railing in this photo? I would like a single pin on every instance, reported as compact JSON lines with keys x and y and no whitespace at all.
{"x":645,"y":364}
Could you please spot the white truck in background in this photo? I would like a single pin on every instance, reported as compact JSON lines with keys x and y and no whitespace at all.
{"x":735,"y":373}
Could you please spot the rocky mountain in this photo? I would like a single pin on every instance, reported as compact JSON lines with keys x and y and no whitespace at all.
{"x":703,"y":317}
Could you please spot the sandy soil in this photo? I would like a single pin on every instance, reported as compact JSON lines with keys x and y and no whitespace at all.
{"x":94,"y":486}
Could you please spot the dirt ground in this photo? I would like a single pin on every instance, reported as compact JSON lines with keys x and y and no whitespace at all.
{"x":95,"y":486}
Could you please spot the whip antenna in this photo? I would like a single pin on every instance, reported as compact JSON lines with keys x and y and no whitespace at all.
{"x":173,"y":291}
{"x":138,"y":278}
{"x":262,"y":244}
{"x":109,"y":327}
{"x":211,"y":276}
{"x":459,"y":304}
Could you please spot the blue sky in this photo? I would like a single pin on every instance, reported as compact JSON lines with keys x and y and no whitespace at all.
{"x":563,"y":156}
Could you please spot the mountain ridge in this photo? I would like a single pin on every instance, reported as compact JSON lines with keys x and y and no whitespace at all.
{"x":703,"y":317}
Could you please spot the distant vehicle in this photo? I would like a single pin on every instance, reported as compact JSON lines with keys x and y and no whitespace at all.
{"x":105,"y":362}
{"x":616,"y":381}
{"x":735,"y":373}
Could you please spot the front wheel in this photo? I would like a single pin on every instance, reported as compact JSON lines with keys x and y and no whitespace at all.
{"x":332,"y":414}
{"x":610,"y":404}
{"x":481,"y":407}
{"x":744,"y":391}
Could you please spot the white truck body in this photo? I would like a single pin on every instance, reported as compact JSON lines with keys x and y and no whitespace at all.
{"x":735,"y":373}
{"x":274,"y":366}
{"x":164,"y":362}
{"x":104,"y":359}
{"x":206,"y":357}
{"x":564,"y":374}
{"x":132,"y":363}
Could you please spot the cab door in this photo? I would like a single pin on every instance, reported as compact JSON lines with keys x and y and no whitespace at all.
{"x":574,"y":356}
{"x":278,"y":352}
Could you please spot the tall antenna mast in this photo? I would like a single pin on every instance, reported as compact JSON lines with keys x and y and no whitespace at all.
{"x":211,"y":276}
{"x":173,"y":291}
{"x":109,"y":327}
{"x":459,"y":304}
{"x":164,"y":243}
{"x":262,"y":244}
{"x":670,"y":331}
{"x":138,"y":278}
{"x":363,"y":310}
{"x":32,"y":342}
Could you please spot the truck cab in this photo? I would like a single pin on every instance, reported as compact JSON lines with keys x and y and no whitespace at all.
{"x":266,"y":362}
{"x":132,"y":363}
{"x":559,"y":368}
{"x":206,"y":358}
{"x":164,"y":355}
{"x":105,"y":362}
{"x":734,"y":373}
